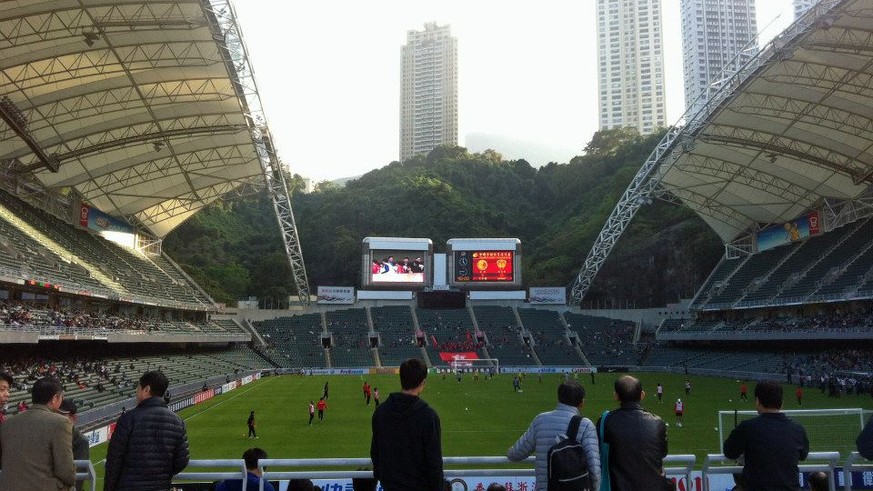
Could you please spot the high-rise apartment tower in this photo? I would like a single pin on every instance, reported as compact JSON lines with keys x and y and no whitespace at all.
{"x":714,"y":32}
{"x":630,"y":62}
{"x":428,"y":90}
{"x":801,"y":6}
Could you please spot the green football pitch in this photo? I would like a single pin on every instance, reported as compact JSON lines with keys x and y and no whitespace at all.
{"x":480,"y":417}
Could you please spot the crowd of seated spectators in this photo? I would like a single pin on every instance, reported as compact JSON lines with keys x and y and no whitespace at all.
{"x":861,"y":320}
{"x":16,"y":314}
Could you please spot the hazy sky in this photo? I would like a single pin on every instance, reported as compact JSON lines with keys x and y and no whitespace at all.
{"x":329,"y":72}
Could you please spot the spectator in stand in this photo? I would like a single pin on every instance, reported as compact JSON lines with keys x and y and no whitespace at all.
{"x":547,"y":426}
{"x":865,"y":440}
{"x":6,"y":382}
{"x":636,"y":440}
{"x":36,"y":447}
{"x":81,"y":450}
{"x":771,"y":443}
{"x":253,"y":473}
{"x":150,"y":444}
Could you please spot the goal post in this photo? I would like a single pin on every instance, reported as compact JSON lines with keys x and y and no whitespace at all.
{"x":482,"y":365}
{"x":827,"y":429}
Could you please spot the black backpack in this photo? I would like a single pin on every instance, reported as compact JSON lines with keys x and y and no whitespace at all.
{"x":567,"y":465}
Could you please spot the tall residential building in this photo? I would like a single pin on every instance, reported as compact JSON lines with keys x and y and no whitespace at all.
{"x":713,"y":33}
{"x":631,"y":65}
{"x":801,"y":6}
{"x":428,"y":90}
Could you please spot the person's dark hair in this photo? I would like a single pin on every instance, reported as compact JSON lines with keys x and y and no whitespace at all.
{"x":412,"y":373}
{"x":769,"y":393}
{"x":300,"y":485}
{"x":496,"y":487}
{"x":45,"y":389}
{"x":364,"y":483}
{"x":252,"y":456}
{"x":571,"y":393}
{"x":68,"y":407}
{"x":156,"y":381}
{"x":818,"y":481}
{"x":7,"y":377}
{"x":628,"y":389}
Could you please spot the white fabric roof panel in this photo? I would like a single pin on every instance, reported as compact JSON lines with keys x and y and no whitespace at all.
{"x":135,"y":100}
{"x":797,"y":131}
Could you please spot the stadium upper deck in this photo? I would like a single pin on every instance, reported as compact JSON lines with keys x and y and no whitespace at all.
{"x":782,"y":134}
{"x":144,"y":112}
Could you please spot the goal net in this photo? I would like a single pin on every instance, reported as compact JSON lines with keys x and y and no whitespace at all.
{"x":829,"y":430}
{"x":480,"y":365}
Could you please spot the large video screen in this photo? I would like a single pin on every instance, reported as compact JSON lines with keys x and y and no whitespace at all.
{"x":485,"y":266}
{"x":396,"y":266}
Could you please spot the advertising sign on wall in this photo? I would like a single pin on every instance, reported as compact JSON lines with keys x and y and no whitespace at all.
{"x":797,"y":229}
{"x":547,"y":296}
{"x":336,"y":294}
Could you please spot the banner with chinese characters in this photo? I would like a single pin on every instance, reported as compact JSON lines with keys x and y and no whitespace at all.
{"x":547,"y":296}
{"x":94,"y":219}
{"x":336,"y":294}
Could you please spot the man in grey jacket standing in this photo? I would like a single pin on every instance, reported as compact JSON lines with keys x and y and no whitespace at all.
{"x":544,"y":429}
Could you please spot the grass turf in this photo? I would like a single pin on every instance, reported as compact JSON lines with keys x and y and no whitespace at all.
{"x":478,"y":418}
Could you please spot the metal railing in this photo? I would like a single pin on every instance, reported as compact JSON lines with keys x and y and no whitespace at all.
{"x":211,"y":476}
{"x":850,"y":466}
{"x":714,"y":464}
{"x":84,"y":472}
{"x":683,"y":468}
{"x":679,"y":466}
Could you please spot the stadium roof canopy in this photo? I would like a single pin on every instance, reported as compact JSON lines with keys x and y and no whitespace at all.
{"x":790,"y":129}
{"x":784,"y":130}
{"x":138,"y":107}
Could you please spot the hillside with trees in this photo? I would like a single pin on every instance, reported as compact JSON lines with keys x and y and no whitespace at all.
{"x":234,"y":248}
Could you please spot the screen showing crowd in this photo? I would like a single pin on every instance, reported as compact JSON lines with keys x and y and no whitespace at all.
{"x":396,"y":267}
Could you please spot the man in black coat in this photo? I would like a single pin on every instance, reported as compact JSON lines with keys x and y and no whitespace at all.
{"x":150,"y":444}
{"x":637,"y":441}
{"x":771,"y":443}
{"x":865,"y":440}
{"x":406,"y":448}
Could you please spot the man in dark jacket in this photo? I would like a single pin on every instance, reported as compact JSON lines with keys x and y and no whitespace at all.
{"x":771,"y":443}
{"x":865,"y":440}
{"x":637,"y":441}
{"x":149,"y":445}
{"x":406,"y":448}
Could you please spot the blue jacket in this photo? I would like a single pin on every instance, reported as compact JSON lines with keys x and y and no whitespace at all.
{"x":542,"y":435}
{"x":252,"y":483}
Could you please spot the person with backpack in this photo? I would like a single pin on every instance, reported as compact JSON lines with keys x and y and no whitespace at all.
{"x":567,"y":460}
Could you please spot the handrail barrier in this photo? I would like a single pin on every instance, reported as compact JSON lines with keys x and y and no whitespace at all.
{"x":682,"y":466}
{"x":214,"y":476}
{"x":85,"y":472}
{"x":828,"y":466}
{"x":685,"y":471}
{"x":851,"y":465}
{"x":366,"y":462}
